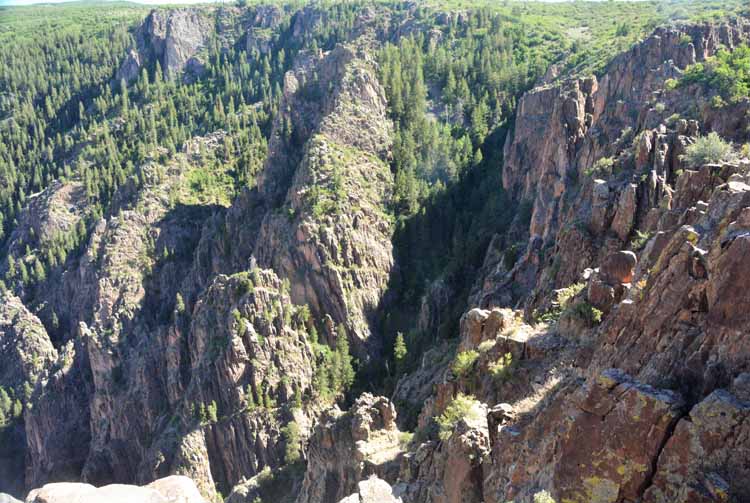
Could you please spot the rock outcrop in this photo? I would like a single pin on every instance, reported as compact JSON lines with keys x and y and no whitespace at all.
{"x":372,"y":490}
{"x":346,"y":448}
{"x":25,"y":352}
{"x":174,"y":38}
{"x":167,"y":490}
{"x":588,"y":126}
{"x":330,"y":234}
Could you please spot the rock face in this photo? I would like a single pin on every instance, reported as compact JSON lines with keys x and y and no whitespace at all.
{"x":167,"y":490}
{"x":349,"y":447}
{"x":650,"y":403}
{"x":331,"y":237}
{"x":617,"y":432}
{"x":173,"y":38}
{"x":583,"y":121}
{"x":184,"y":334}
{"x":25,"y":348}
{"x":25,"y":352}
{"x":704,"y":454}
{"x":167,"y":312}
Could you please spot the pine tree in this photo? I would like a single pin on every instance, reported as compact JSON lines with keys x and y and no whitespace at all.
{"x":5,"y":402}
{"x":345,"y":368}
{"x":17,"y":409}
{"x":292,"y":440}
{"x":399,"y":352}
{"x":212,"y":412}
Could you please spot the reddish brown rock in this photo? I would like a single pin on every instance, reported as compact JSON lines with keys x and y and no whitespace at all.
{"x":607,"y":455}
{"x":618,"y":267}
{"x":705,"y":460}
{"x":600,"y":294}
{"x":728,"y":290}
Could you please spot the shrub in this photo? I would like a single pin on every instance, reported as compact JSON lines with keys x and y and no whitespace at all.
{"x":717,"y":102}
{"x":670,"y":84}
{"x":405,"y":439}
{"x":501,"y":369}
{"x":291,"y":439}
{"x":464,"y":362}
{"x":462,"y":407}
{"x":586,"y":312}
{"x":640,"y":239}
{"x":728,"y":72}
{"x":564,"y":297}
{"x":602,"y":166}
{"x":486,"y":346}
{"x":212,"y":412}
{"x":708,"y":149}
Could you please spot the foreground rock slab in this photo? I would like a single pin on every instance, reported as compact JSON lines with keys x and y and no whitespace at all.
{"x":174,"y":489}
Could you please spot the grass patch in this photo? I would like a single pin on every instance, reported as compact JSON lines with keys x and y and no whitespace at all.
{"x":463,"y":407}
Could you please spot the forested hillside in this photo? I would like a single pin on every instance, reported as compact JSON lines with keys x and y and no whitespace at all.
{"x":223,"y":225}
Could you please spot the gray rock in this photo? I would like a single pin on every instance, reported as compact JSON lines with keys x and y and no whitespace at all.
{"x":174,"y":489}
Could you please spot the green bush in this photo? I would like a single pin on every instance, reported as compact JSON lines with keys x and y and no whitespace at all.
{"x":464,"y":362}
{"x":462,"y":407}
{"x":640,"y":239}
{"x":292,"y":440}
{"x":707,"y":150}
{"x":728,"y":72}
{"x":585,"y":312}
{"x":601,"y":167}
{"x":502,"y":368}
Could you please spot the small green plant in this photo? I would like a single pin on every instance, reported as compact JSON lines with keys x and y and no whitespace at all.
{"x":660,"y":107}
{"x":405,"y":439}
{"x":708,"y":149}
{"x":601,"y":167}
{"x":464,"y":362}
{"x":485,"y":346}
{"x":586,"y":312}
{"x":462,"y":407}
{"x":640,"y":240}
{"x":502,"y":368}
{"x":211,"y":412}
{"x":564,"y":297}
{"x":717,"y":102}
{"x":671,"y":84}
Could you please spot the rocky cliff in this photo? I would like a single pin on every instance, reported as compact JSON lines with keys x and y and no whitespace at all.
{"x":610,"y":403}
{"x":180,"y":338}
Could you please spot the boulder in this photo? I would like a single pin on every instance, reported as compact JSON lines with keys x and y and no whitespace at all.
{"x":618,"y":267}
{"x":174,"y":489}
{"x":372,"y":490}
{"x":600,"y":294}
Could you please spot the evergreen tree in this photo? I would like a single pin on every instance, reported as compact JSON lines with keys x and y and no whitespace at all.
{"x":399,"y":352}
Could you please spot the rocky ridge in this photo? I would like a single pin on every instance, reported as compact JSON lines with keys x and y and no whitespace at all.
{"x":639,"y":392}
